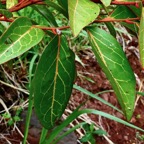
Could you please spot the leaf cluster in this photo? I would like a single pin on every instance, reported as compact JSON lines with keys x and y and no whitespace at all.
{"x":26,"y":25}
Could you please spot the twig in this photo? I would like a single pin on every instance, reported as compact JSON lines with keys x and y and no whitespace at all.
{"x":109,"y":19}
{"x":19,"y":89}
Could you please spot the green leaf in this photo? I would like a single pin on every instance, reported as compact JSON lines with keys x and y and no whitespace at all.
{"x":116,"y":67}
{"x":87,"y":137}
{"x":46,"y":13}
{"x":133,"y":28}
{"x":6,"y":13}
{"x":111,"y":28}
{"x":122,"y":12}
{"x":136,"y":10}
{"x":95,"y":96}
{"x":57,"y":7}
{"x":106,"y":2}
{"x":81,"y":13}
{"x":53,"y":81}
{"x":141,"y":38}
{"x":11,"y":3}
{"x":18,"y":38}
{"x":100,"y":132}
{"x":77,"y":113}
{"x":64,"y":5}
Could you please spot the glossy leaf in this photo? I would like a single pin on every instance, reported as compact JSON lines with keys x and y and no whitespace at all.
{"x":53,"y":81}
{"x":106,"y":2}
{"x":116,"y":67}
{"x":141,"y":39}
{"x":18,"y":38}
{"x":6,"y":13}
{"x":81,"y":13}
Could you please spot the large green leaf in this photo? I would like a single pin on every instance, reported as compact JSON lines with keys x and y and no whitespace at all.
{"x":141,"y":38}
{"x":18,"y":38}
{"x":53,"y":81}
{"x":116,"y":67}
{"x":81,"y":13}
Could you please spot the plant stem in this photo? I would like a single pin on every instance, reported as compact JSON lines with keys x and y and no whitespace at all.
{"x":43,"y":135}
{"x":28,"y":118}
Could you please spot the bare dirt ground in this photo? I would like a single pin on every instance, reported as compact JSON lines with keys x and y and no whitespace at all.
{"x":117,"y":133}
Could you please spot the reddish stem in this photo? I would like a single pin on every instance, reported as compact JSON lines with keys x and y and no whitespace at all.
{"x":115,"y":2}
{"x":6,"y":19}
{"x":53,"y":29}
{"x":108,"y":19}
{"x":23,"y":3}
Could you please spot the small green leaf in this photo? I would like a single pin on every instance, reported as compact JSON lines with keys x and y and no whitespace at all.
{"x":53,"y":81}
{"x":100,"y":132}
{"x":141,"y":38}
{"x":136,"y":10}
{"x":116,"y":67}
{"x":81,"y":13}
{"x":106,"y":2}
{"x":133,"y":28}
{"x":6,"y":13}
{"x":88,"y":137}
{"x":46,"y":13}
{"x":57,"y":7}
{"x":64,"y":5}
{"x":18,"y":38}
{"x":122,"y":12}
{"x":111,"y":28}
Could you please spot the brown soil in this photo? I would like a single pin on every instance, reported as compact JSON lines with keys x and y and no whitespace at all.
{"x":117,"y":133}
